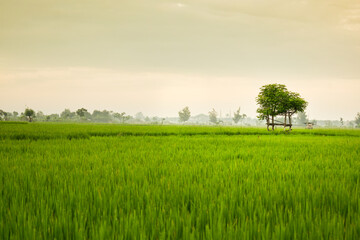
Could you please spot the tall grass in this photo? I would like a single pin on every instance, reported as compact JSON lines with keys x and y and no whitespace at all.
{"x":38,"y":131}
{"x":140,"y":182}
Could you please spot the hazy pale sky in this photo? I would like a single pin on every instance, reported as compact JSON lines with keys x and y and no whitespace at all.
{"x":159,"y":56}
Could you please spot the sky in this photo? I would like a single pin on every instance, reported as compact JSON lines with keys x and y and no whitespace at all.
{"x":159,"y":56}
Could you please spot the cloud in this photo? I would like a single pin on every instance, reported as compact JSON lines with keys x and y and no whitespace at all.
{"x":351,"y":19}
{"x":223,"y":37}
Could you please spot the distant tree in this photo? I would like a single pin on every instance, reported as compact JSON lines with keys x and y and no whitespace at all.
{"x":53,"y":117}
{"x":301,"y":118}
{"x":213,"y":116}
{"x":30,"y":114}
{"x":82,"y":112}
{"x":237,"y":116}
{"x":342,"y":121}
{"x":96,"y":115}
{"x":102,"y":116}
{"x":328,"y":124}
{"x":357,"y":120}
{"x":67,"y":114}
{"x":184,"y":114}
{"x":3,"y":115}
{"x":15,"y":114}
{"x":139,"y":116}
{"x":22,"y":117}
{"x":40,"y":116}
{"x":9,"y":115}
{"x":121,"y":116}
{"x":127,"y":118}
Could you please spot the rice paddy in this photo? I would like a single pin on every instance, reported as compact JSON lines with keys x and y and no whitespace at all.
{"x":89,"y":181}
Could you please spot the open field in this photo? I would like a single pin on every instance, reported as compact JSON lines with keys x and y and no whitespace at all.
{"x":89,"y":181}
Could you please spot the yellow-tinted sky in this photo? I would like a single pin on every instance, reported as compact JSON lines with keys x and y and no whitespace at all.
{"x":158,"y":56}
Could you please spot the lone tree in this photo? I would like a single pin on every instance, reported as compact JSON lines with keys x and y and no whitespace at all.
{"x":184,"y":114}
{"x":213,"y":116}
{"x":30,"y":114}
{"x":274,"y":100}
{"x":237,"y":116}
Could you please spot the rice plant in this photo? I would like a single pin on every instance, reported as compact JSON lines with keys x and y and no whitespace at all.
{"x":88,"y":181}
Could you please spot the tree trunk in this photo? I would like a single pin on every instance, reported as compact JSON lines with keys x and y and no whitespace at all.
{"x":272,"y":120}
{"x":267,"y":123}
{"x":290,"y":122}
{"x":285,"y":122}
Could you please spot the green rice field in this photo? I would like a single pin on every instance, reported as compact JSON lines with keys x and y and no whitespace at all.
{"x":104,"y":181}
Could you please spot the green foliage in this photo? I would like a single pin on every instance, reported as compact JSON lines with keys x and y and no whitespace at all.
{"x":271,"y":100}
{"x":213,"y":116}
{"x":275,"y":99}
{"x":184,"y":114}
{"x":294,"y":103}
{"x":98,"y":181}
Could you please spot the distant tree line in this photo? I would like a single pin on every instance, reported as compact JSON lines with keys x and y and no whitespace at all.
{"x":272,"y":107}
{"x":80,"y":115}
{"x":185,"y":114}
{"x":105,"y":116}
